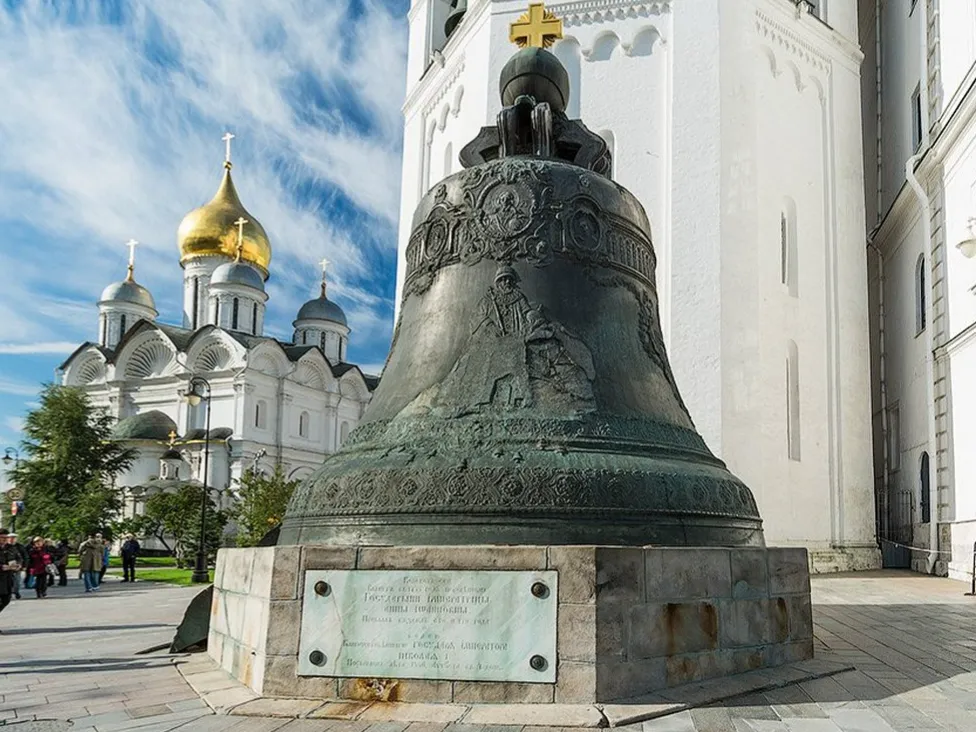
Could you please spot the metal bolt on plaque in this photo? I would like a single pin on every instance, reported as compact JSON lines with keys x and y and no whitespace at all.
{"x":538,"y":663}
{"x":317,"y":657}
{"x":322,"y":589}
{"x":540,"y":590}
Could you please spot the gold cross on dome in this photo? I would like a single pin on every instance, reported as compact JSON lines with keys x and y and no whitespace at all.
{"x":536,"y":27}
{"x":132,"y":243}
{"x":227,"y":138}
{"x":240,"y":236}
{"x":172,"y":438}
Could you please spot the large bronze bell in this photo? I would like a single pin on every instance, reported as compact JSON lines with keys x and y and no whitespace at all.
{"x":527,"y":397}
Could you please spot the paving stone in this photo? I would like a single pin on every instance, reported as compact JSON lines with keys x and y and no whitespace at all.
{"x":397,"y":712}
{"x":681,"y":722}
{"x":562,"y":715}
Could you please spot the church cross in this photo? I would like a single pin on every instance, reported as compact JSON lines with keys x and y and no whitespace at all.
{"x":537,"y":27}
{"x":132,"y":243}
{"x":240,"y":236}
{"x":172,"y":438}
{"x":324,"y":264}
{"x":227,"y":138}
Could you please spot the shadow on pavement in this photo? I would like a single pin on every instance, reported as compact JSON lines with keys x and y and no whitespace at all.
{"x":76,"y":629}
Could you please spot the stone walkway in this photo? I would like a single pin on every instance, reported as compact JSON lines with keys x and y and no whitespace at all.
{"x":911,"y":638}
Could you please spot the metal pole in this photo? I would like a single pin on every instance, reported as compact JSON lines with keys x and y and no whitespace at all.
{"x":972,"y":591}
{"x":200,"y":573}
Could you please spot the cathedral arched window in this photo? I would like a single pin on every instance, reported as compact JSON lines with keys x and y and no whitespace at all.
{"x":216,"y":312}
{"x":234,"y":314}
{"x":448,"y":159}
{"x":303,"y":424}
{"x":122,"y":326}
{"x":788,"y":247}
{"x":254,"y":318}
{"x":322,"y":342}
{"x":568,"y":52}
{"x":793,"y":401}
{"x":261,"y":415}
{"x":924,"y":487}
{"x":343,"y":432}
{"x":196,"y":302}
{"x":921,"y":296}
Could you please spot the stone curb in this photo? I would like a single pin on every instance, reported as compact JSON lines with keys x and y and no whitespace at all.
{"x":226,"y":695}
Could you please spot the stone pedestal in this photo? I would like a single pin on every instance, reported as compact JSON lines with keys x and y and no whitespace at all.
{"x":630,"y":621}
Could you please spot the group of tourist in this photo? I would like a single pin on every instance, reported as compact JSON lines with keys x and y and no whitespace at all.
{"x":43,"y":563}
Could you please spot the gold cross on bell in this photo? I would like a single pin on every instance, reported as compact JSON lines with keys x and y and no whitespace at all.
{"x":537,"y":27}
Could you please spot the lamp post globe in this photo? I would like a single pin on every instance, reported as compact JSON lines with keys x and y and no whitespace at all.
{"x":200,"y":392}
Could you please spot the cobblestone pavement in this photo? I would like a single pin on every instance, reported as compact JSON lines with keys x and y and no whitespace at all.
{"x":911,"y":638}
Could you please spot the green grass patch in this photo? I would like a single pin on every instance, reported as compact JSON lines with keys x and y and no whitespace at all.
{"x":171,"y":576}
{"x":140,"y":562}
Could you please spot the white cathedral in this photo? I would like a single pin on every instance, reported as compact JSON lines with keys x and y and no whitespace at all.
{"x":272,"y":403}
{"x":809,"y":170}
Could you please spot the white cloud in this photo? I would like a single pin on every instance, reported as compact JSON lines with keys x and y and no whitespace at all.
{"x":18,"y":349}
{"x":14,"y":424}
{"x":17,"y":388}
{"x":111,"y":131}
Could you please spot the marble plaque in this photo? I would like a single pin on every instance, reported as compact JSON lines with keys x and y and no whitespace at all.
{"x":462,"y":626}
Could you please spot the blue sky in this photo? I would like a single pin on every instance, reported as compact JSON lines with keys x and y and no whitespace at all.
{"x":111,"y":115}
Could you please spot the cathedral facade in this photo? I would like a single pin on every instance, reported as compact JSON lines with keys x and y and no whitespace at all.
{"x":271,"y":403}
{"x":738,"y":127}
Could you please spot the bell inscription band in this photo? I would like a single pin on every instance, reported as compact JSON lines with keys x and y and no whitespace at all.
{"x":527,"y":397}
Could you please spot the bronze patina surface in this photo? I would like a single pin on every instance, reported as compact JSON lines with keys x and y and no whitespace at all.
{"x":527,"y":397}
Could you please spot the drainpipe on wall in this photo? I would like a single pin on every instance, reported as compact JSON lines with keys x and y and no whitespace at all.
{"x":882,"y":376}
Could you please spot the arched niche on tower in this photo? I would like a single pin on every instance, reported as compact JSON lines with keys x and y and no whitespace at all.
{"x":568,"y":52}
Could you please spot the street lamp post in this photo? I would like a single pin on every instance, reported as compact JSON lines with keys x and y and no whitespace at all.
{"x":200,"y":392}
{"x":11,"y":455}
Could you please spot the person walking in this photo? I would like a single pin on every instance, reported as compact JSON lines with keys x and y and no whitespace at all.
{"x":90,"y":560}
{"x":9,"y":565}
{"x":21,"y":553}
{"x":106,"y":555}
{"x":38,"y":562}
{"x":130,"y":550}
{"x":61,"y":562}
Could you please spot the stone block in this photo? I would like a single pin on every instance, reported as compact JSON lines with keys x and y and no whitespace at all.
{"x":791,"y":652}
{"x":328,"y":557}
{"x":395,"y":690}
{"x":215,"y":645}
{"x":788,"y":571}
{"x":219,"y":570}
{"x":779,"y":620}
{"x":287,"y":570}
{"x":745,"y":623}
{"x":340,"y":710}
{"x":254,"y":623}
{"x":453,"y":557}
{"x":576,"y":633}
{"x":276,"y":708}
{"x":611,"y":630}
{"x":237,"y":570}
{"x":749,"y":659}
{"x":281,"y":679}
{"x":575,"y":683}
{"x":688,"y":668}
{"x":687,"y":573}
{"x":673,"y":627}
{"x":550,"y":715}
{"x":284,"y":627}
{"x":502,"y":692}
{"x":748,"y":573}
{"x":620,"y":576}
{"x":261,"y":571}
{"x":628,"y":679}
{"x":801,"y":617}
{"x":577,"y":573}
{"x":397,"y":712}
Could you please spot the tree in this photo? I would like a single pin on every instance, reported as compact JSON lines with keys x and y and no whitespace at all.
{"x":174,"y":519}
{"x":261,"y":504}
{"x":69,"y":466}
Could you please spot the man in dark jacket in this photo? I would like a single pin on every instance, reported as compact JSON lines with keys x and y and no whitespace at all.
{"x":20,"y":556}
{"x":61,"y":561}
{"x":130,"y":550}
{"x":9,"y":565}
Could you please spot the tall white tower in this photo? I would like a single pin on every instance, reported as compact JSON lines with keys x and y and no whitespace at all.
{"x":737,"y":125}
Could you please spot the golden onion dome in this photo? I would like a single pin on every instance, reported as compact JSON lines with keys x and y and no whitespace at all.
{"x":211,"y":230}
